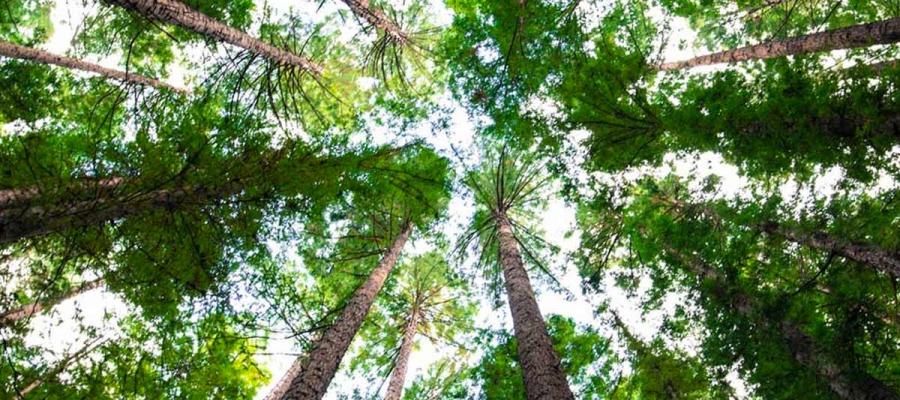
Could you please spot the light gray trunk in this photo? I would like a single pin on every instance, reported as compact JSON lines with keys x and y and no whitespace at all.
{"x":12,"y":50}
{"x":543,"y":373}
{"x":325,"y":358}
{"x":882,"y":32}
{"x":398,"y":376}
{"x":362,"y":9}
{"x":177,"y":13}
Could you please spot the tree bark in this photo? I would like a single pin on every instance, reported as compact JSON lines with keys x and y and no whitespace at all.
{"x":543,"y":374}
{"x":325,"y":358}
{"x":14,"y":315}
{"x":177,"y":13}
{"x":844,"y":382}
{"x":863,"y":253}
{"x":281,"y":388}
{"x":82,"y":190}
{"x":19,"y":224}
{"x":398,"y":376}
{"x":881,"y":32}
{"x":12,"y":50}
{"x":362,"y":9}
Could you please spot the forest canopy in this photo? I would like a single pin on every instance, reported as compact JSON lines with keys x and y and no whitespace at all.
{"x":461,"y":199}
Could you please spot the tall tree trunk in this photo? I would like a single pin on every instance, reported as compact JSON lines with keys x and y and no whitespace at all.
{"x":18,"y":224}
{"x":323,"y":361}
{"x":867,"y":254}
{"x":177,"y":13}
{"x":844,"y":382}
{"x":543,"y":374}
{"x":11,"y":316}
{"x":277,"y":392}
{"x":81,"y":190}
{"x":398,"y":377}
{"x":882,"y":32}
{"x":60,"y":367}
{"x":12,"y":50}
{"x":362,"y":9}
{"x":864,"y":253}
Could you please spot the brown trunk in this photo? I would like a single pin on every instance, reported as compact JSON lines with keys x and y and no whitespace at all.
{"x":543,"y":374}
{"x":177,"y":13}
{"x":60,"y":367}
{"x":323,"y":361}
{"x":12,"y":50}
{"x":845,"y":383}
{"x":11,"y":316}
{"x":82,"y":190}
{"x":882,"y":32}
{"x":867,"y":254}
{"x":18,"y":224}
{"x":281,"y":388}
{"x":398,"y":377}
{"x":362,"y":9}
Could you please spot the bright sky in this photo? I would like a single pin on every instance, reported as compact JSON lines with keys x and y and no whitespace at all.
{"x":557,"y":223}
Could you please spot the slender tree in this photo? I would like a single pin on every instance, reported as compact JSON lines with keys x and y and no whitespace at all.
{"x":60,"y":367}
{"x":377,"y":18}
{"x":177,"y":13}
{"x":503,"y":191}
{"x":398,"y":376}
{"x":12,"y":50}
{"x":18,"y":314}
{"x":881,"y":32}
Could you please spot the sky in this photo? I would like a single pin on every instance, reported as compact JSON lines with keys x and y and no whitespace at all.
{"x":558,"y":222}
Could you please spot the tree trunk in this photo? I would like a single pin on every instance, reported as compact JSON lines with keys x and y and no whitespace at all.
{"x":12,"y":50}
{"x":60,"y":367}
{"x":845,"y":383}
{"x":82,"y":190}
{"x":177,"y":13}
{"x":867,"y":254}
{"x":543,"y":374}
{"x":11,"y":316}
{"x":281,"y":388}
{"x":882,"y":32}
{"x":18,"y":224}
{"x":398,"y":377}
{"x":325,"y":358}
{"x":362,"y":9}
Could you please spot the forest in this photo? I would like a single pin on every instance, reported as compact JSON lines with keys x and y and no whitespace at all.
{"x":458,"y":199}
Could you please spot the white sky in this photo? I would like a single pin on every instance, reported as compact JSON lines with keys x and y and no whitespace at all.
{"x":557,"y":221}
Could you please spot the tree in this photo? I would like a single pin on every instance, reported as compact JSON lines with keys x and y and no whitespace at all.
{"x":17,"y":314}
{"x":504,"y":190}
{"x":177,"y":13}
{"x":388,"y":212}
{"x":882,"y":32}
{"x":24,"y":53}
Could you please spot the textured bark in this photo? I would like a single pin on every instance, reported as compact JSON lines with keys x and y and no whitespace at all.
{"x":82,"y":190}
{"x":281,"y":388}
{"x":864,"y":253}
{"x":323,"y":361}
{"x":177,"y":13}
{"x":19,"y":224}
{"x":18,"y":314}
{"x":12,"y":50}
{"x":398,"y":376}
{"x":362,"y":9}
{"x":543,"y":374}
{"x":882,"y":32}
{"x":844,"y":382}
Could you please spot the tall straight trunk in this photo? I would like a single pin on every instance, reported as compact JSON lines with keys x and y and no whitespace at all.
{"x":177,"y":13}
{"x":543,"y":374}
{"x":881,"y":32}
{"x":82,"y":190}
{"x":323,"y":361}
{"x":863,"y":253}
{"x":61,"y":366}
{"x":362,"y":9}
{"x":844,"y":382}
{"x":31,"y":221}
{"x":398,"y":376}
{"x":13,"y":50}
{"x":18,"y":314}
